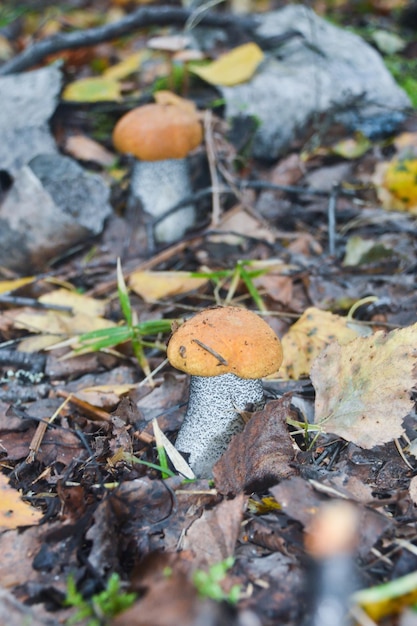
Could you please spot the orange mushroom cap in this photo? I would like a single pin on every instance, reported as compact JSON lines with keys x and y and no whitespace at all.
{"x":155,"y":132}
{"x":225,"y":340}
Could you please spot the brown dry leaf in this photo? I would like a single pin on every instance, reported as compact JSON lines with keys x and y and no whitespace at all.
{"x":104,"y":396}
{"x":212,"y":537}
{"x":153,"y":286}
{"x":363,"y":389}
{"x":86,"y":149}
{"x":259,"y":456}
{"x":239,"y":221}
{"x":13,"y":511}
{"x":308,"y":336}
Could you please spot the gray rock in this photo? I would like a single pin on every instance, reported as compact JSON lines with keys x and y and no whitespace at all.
{"x":37,"y":225}
{"x":327,"y":70}
{"x":79,"y":194}
{"x":28,"y":101}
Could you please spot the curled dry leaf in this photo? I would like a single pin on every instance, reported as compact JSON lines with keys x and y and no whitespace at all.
{"x":260,"y":455}
{"x":363,"y":389}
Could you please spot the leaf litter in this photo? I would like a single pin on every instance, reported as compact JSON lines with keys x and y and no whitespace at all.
{"x":90,"y":463}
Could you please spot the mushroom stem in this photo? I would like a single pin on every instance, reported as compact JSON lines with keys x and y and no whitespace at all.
{"x":213,"y":417}
{"x":159,"y":185}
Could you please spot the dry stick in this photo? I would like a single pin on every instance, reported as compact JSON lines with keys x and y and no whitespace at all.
{"x":211,"y":156}
{"x":40,"y":433}
{"x":141,"y":18}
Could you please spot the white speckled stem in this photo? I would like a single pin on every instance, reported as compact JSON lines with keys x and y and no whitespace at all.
{"x":160,"y":185}
{"x":212,"y":418}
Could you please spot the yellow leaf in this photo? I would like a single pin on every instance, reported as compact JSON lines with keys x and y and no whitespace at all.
{"x":363,"y":389}
{"x":95,"y":89}
{"x":153,"y":286}
{"x":12,"y":285}
{"x":128,"y":66}
{"x":308,"y":336}
{"x":401,"y":181}
{"x":352,"y":148}
{"x":14,"y":511}
{"x":77,"y":302}
{"x":396,"y":183}
{"x":232,"y":68}
{"x":56,"y":327}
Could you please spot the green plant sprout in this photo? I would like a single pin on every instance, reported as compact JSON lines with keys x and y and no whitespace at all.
{"x":244,"y":271}
{"x":106,"y":338}
{"x":208,"y":583}
{"x":100,"y":608}
{"x":162,"y":467}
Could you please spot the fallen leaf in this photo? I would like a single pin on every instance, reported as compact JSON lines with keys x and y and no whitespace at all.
{"x":396,"y":184}
{"x":152,"y":286}
{"x":240,"y":222}
{"x":95,"y":89}
{"x":56,"y":327}
{"x":360,"y":251}
{"x":13,"y":511}
{"x":104,"y":396}
{"x":12,"y":285}
{"x":308,"y":336}
{"x":126,"y":67}
{"x":259,"y":456}
{"x":78,"y":302}
{"x":86,"y":149}
{"x":352,"y":147}
{"x":363,"y":389}
{"x":212,"y":537}
{"x":232,"y":68}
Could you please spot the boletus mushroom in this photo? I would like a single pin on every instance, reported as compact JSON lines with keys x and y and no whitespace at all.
{"x":160,"y":136}
{"x":227,"y":351}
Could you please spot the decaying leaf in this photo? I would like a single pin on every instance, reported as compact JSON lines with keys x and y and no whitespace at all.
{"x":308,"y":336}
{"x":260,"y":455}
{"x":363,"y":389}
{"x":153,"y":286}
{"x":13,"y":511}
{"x":232,"y":68}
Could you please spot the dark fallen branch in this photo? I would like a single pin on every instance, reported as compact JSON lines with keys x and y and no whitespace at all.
{"x":141,"y":18}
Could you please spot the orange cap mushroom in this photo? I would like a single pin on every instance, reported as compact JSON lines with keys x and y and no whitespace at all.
{"x":160,"y":136}
{"x":155,"y":132}
{"x":226,"y":340}
{"x":226,"y":351}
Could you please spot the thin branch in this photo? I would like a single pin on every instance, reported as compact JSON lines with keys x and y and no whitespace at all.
{"x":141,"y":18}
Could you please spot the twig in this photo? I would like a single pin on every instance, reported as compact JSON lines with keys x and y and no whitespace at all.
{"x":331,"y":219}
{"x":141,"y":18}
{"x":211,"y":156}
